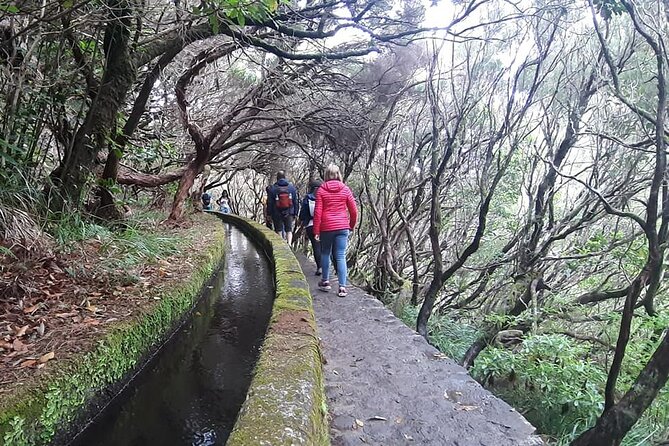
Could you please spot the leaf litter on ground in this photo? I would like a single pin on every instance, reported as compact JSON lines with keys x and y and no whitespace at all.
{"x":42,"y":316}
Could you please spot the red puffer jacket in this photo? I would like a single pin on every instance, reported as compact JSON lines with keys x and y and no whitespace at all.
{"x":333,"y":199}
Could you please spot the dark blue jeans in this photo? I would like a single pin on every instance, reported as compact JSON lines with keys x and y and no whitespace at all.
{"x":336,"y":240}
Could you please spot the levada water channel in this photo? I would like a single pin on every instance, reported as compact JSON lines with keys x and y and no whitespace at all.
{"x":191,"y":391}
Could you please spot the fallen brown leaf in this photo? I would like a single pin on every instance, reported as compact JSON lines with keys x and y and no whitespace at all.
{"x":28,"y":363}
{"x":47,"y":357}
{"x":467,"y":408}
{"x":31,"y":309}
{"x":6,"y":345}
{"x":19,"y":346}
{"x":91,"y":321}
{"x":22,"y":331}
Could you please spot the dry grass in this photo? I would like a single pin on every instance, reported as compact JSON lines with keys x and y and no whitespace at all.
{"x":21,"y":235}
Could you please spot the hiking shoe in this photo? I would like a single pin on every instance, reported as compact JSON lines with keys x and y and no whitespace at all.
{"x":342,"y":292}
{"x":318,"y":272}
{"x":324,"y":285}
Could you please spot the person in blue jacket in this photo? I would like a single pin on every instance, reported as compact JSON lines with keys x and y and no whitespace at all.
{"x":307,"y":220}
{"x":284,"y":205}
{"x":206,"y":201}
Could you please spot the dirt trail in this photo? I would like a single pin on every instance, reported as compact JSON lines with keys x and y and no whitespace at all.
{"x":386,"y":385}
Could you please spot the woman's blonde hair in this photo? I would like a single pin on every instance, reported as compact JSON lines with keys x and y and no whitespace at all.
{"x":333,"y":173}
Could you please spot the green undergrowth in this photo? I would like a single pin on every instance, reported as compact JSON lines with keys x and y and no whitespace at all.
{"x":286,"y":400}
{"x":450,"y":337}
{"x":553,"y":380}
{"x":33,"y":414}
{"x":135,"y":242}
{"x":546,"y":379}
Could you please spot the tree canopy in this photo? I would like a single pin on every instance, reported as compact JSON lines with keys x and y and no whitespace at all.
{"x":508,"y":158}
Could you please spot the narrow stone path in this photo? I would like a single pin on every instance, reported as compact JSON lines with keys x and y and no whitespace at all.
{"x":386,"y":385}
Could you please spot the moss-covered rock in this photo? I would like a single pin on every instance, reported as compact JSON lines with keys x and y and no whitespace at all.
{"x":34,"y":413}
{"x":286,"y":399}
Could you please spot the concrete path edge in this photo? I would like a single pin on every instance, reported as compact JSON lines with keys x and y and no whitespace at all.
{"x":285,"y":404}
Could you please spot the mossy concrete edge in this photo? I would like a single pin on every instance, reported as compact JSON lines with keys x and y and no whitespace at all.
{"x":285,"y":404}
{"x":39,"y":412}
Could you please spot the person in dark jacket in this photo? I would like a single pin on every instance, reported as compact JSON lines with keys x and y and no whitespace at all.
{"x":334,"y":217}
{"x":265,"y":208}
{"x":283,"y":204}
{"x":206,"y":201}
{"x":307,"y":220}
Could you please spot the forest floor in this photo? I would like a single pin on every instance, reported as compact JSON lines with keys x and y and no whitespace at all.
{"x":386,"y":385}
{"x":57,"y":305}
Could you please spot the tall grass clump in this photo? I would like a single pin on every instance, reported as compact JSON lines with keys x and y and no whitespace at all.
{"x":136,"y":246}
{"x":450,"y":337}
{"x":20,"y":230}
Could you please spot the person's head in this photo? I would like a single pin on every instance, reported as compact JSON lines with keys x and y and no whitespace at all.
{"x":281,"y":175}
{"x":333,"y":173}
{"x":314,"y":184}
{"x":224,"y":194}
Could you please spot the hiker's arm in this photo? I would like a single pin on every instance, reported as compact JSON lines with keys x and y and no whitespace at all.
{"x":352,"y":210}
{"x":296,"y":202}
{"x":318,"y":210}
{"x":304,"y":209}
{"x":270,"y":203}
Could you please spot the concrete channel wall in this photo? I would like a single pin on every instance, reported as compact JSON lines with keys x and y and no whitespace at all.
{"x":285,"y":404}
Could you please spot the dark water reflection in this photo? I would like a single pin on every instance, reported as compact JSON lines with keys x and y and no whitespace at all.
{"x":191,"y":392}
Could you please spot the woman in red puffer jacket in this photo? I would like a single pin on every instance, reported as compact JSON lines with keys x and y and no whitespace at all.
{"x":334,"y":217}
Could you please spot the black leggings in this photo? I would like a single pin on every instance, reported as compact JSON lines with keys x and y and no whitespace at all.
{"x":316,"y":246}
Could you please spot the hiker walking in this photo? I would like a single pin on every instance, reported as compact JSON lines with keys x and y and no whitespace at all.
{"x":335,"y":216}
{"x":307,"y":218}
{"x":206,"y":201}
{"x":283,"y":205}
{"x":224,"y":202}
{"x":265,"y":208}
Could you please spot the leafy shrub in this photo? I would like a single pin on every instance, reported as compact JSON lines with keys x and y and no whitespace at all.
{"x":549,"y":379}
{"x":450,"y":337}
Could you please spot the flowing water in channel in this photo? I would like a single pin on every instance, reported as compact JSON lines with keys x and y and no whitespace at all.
{"x":191,"y":391}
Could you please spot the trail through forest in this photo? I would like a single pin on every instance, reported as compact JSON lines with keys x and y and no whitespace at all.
{"x":386,"y":385}
{"x":508,"y":160}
